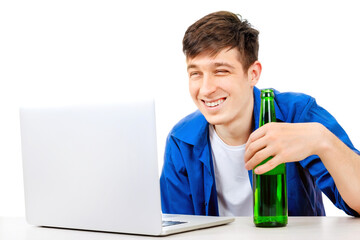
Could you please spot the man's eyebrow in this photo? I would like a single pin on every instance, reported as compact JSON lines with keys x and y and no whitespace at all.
{"x":191,"y":66}
{"x":219,"y":64}
{"x":216,"y":64}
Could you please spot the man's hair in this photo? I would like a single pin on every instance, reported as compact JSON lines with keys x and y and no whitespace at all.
{"x":220,"y":30}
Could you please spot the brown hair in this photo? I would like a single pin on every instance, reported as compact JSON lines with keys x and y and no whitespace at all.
{"x":220,"y":30}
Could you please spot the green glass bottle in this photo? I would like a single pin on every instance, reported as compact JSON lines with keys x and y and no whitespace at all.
{"x":269,"y":189}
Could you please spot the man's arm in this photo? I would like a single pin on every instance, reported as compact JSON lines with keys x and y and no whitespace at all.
{"x":174,"y":183}
{"x":343,"y":165}
{"x":290,"y":142}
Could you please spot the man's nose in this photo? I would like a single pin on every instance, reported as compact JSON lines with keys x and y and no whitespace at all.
{"x":208,"y":85}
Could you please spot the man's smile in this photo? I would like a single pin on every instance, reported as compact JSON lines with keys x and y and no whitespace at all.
{"x":214,"y":103}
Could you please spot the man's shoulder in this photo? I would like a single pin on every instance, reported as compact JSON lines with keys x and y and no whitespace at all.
{"x":189,"y":119}
{"x":293,"y":104}
{"x":191,"y":128}
{"x":290,"y":98}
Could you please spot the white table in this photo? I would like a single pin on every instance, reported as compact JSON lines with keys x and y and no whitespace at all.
{"x":298,"y":228}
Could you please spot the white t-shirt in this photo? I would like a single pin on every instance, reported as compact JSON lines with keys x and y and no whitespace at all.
{"x":233,"y":186}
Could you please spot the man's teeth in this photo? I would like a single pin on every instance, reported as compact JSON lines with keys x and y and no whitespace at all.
{"x":215,"y":103}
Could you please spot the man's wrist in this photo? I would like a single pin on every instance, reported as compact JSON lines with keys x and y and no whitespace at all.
{"x":323,"y":140}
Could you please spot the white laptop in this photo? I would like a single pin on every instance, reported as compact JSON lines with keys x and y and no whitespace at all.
{"x":94,"y":167}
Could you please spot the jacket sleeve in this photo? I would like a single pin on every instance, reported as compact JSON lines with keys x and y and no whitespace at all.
{"x":314,"y":113}
{"x":174,"y":183}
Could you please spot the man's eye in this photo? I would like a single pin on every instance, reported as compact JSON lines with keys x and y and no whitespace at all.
{"x":194,"y":74}
{"x":221,"y":72}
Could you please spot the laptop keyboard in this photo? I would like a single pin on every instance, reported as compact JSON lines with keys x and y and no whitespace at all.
{"x":171,"y":223}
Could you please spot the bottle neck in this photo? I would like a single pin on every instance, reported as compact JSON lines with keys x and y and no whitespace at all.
{"x":267,"y":111}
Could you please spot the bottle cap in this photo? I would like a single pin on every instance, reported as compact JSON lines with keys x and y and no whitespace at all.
{"x":267,"y":93}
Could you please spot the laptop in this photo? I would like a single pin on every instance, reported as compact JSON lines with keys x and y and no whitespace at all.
{"x":95,"y":167}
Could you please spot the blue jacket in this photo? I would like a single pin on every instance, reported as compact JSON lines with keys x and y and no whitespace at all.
{"x":187,"y":180}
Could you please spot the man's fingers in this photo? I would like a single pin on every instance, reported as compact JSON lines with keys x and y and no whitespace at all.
{"x":269,"y":165}
{"x":257,"y":134}
{"x":258,"y":158}
{"x":254,"y":148}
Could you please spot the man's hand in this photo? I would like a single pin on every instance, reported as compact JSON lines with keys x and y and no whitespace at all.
{"x":285,"y":142}
{"x":291,"y":142}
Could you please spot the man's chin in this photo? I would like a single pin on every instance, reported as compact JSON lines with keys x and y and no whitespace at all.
{"x":214,"y":120}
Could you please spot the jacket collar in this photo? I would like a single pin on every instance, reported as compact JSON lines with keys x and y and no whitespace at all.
{"x":194,"y":130}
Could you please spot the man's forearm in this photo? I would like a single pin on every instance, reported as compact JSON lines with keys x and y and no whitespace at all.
{"x":344,"y":166}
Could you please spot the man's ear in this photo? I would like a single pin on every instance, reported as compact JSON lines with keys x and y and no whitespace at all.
{"x":254,"y":73}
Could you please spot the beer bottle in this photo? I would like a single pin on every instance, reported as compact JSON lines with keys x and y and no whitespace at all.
{"x":269,"y":189}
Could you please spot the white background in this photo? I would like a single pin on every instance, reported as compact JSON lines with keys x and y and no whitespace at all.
{"x":73,"y":51}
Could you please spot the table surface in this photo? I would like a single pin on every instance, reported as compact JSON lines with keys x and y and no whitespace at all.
{"x":242,"y":228}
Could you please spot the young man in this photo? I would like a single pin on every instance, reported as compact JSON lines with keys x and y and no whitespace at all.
{"x":211,"y":153}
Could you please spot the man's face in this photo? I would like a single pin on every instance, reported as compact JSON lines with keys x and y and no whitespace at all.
{"x":220,"y":88}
